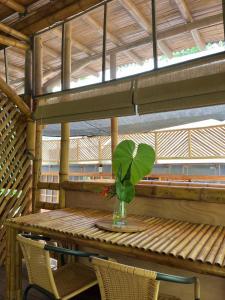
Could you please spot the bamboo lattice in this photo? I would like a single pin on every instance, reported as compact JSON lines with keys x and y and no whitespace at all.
{"x":15,"y":168}
{"x":196,"y":143}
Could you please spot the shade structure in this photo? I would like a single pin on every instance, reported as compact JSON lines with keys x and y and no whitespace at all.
{"x":189,"y":85}
{"x":100,"y":101}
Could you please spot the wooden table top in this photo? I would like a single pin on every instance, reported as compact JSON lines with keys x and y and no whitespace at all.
{"x":197,"y":247}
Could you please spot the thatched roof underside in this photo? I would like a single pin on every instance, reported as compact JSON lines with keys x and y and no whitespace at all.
{"x":179,"y":27}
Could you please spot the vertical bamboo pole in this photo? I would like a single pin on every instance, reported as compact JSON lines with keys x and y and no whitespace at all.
{"x":13,"y":266}
{"x":38,"y":77}
{"x":65,"y":127}
{"x":31,"y":125}
{"x":114,"y":121}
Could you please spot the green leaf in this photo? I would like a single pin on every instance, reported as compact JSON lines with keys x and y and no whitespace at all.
{"x":125,"y":191}
{"x":142,"y":163}
{"x":122,"y":158}
{"x":126,"y":166}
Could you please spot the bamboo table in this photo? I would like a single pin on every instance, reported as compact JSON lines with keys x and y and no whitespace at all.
{"x":196,"y":247}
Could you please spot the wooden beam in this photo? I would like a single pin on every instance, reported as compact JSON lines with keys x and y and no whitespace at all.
{"x":198,"y":39}
{"x":7,"y":41}
{"x":17,"y":100}
{"x":141,"y":19}
{"x":76,"y":43}
{"x":185,"y":12}
{"x":14,"y":33}
{"x":165,"y":48}
{"x":50,"y":14}
{"x":93,"y":23}
{"x":14,"y":5}
{"x":169,"y":33}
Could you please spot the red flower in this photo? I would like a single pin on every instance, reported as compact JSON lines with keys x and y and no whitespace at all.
{"x":105,"y":191}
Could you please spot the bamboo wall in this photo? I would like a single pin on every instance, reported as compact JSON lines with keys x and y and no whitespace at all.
{"x":15,"y":167}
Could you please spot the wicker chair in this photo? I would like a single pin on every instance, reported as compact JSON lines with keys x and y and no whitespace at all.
{"x":122,"y":282}
{"x":64,"y":283}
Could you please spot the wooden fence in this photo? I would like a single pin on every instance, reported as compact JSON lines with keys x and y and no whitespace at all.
{"x":15,"y":168}
{"x":182,"y":144}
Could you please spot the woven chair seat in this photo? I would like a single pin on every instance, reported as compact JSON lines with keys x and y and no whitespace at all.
{"x":73,"y":277}
{"x":167,"y":297}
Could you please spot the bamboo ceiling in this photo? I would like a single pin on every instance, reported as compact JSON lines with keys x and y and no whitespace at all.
{"x":180,"y":25}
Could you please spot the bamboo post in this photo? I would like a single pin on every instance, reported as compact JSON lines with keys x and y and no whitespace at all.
{"x":13,"y":265}
{"x":38,"y":62}
{"x":114,"y":121}
{"x":65,"y":127}
{"x":31,"y":125}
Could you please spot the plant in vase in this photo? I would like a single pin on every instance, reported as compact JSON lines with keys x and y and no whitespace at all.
{"x":130,"y":163}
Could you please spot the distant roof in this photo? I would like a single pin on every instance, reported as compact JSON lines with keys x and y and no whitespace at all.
{"x":144,"y":123}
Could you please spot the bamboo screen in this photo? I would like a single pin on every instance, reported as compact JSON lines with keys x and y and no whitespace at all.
{"x":196,"y":143}
{"x":15,"y":168}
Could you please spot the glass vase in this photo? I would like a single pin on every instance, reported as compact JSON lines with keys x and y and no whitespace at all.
{"x":120,"y":213}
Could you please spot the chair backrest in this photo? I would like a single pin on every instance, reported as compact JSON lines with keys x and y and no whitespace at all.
{"x":38,"y":264}
{"x":121,"y":282}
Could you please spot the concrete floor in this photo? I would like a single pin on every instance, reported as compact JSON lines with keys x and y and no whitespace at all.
{"x":91,"y":294}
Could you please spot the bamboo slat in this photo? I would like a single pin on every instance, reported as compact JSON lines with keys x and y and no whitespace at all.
{"x":203,"y":244}
{"x":205,"y":143}
{"x":15,"y":178}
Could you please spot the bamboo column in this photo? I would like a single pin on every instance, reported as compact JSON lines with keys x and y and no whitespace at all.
{"x":38,"y":69}
{"x":31,"y":125}
{"x":114,"y":121}
{"x":65,"y":127}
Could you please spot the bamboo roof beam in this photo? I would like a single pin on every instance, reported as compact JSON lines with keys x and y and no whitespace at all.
{"x":76,"y":43}
{"x":14,"y":5}
{"x":196,"y":24}
{"x":50,"y":14}
{"x":7,"y":41}
{"x":135,"y":12}
{"x":169,"y":33}
{"x":17,"y":100}
{"x":75,"y":67}
{"x":185,"y":12}
{"x":14,"y":33}
{"x":111,"y":36}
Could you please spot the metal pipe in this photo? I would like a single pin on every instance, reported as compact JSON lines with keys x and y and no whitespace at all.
{"x":154,"y":35}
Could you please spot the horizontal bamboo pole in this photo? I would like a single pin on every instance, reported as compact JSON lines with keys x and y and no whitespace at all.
{"x":49,"y":186}
{"x":14,"y":5}
{"x":47,"y":205}
{"x":205,"y":194}
{"x":7,"y":41}
{"x":14,"y":32}
{"x":17,"y":100}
